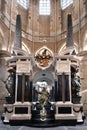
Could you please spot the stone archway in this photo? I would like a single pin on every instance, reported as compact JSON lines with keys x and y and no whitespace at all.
{"x":43,"y":96}
{"x":43,"y":79}
{"x":43,"y":75}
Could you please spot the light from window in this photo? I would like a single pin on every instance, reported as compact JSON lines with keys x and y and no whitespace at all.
{"x":65,"y":3}
{"x":44,"y":7}
{"x":24,"y":3}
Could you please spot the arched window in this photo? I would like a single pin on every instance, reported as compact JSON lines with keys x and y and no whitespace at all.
{"x":66,"y":3}
{"x":44,"y":7}
{"x":24,"y":3}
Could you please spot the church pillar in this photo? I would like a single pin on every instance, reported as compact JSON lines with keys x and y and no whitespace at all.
{"x":63,"y":87}
{"x":23,"y":87}
{"x":2,"y":69}
{"x":83,"y":74}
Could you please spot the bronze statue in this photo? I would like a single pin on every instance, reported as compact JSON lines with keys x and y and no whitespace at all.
{"x":75,"y":83}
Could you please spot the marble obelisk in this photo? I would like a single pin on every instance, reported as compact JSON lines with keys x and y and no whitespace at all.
{"x":69,"y":40}
{"x":17,"y":36}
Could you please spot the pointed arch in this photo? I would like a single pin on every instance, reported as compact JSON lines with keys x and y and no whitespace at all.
{"x":85,"y":41}
{"x":63,"y":48}
{"x":44,"y":47}
{"x":25,"y":48}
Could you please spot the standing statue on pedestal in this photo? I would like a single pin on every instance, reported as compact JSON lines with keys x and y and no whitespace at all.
{"x":43,"y":99}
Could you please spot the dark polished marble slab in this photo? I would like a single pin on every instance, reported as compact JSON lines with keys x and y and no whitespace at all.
{"x":21,"y":127}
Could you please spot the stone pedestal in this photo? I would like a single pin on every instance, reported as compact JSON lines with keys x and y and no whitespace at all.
{"x":64,"y":111}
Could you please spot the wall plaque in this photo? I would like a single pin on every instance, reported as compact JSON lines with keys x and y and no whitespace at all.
{"x":62,"y":66}
{"x":23,"y":67}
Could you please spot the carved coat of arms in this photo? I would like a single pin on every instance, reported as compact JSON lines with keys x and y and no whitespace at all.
{"x":43,"y":58}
